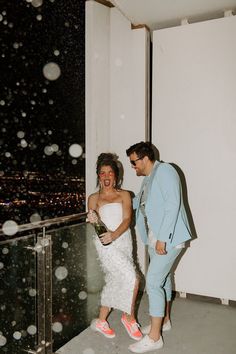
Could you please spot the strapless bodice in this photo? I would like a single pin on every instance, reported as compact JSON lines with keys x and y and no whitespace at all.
{"x":111,"y":214}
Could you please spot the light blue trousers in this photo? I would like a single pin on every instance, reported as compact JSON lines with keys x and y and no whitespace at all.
{"x":158,"y":280}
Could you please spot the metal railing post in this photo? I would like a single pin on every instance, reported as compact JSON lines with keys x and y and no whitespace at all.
{"x":44,"y":276}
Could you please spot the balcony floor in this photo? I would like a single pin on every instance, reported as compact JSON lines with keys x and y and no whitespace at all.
{"x":198,"y":328}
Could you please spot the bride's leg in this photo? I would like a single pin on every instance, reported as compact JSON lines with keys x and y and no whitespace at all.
{"x":130,"y":317}
{"x":104,"y":312}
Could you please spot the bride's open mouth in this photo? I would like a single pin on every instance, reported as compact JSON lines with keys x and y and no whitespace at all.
{"x":107,"y":182}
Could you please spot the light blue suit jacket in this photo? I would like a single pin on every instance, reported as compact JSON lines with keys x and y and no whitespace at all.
{"x":166,"y":215}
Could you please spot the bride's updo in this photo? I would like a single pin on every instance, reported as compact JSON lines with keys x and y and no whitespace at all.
{"x":108,"y":159}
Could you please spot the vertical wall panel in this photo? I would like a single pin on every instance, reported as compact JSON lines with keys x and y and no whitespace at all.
{"x":128,"y":101}
{"x":117,"y":63}
{"x":97,"y":87}
{"x":194,"y":126}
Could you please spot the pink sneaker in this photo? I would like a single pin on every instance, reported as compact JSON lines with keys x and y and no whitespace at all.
{"x":102,"y":327}
{"x":132,"y":328}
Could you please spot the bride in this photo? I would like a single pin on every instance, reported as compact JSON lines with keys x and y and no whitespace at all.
{"x":114,"y":248}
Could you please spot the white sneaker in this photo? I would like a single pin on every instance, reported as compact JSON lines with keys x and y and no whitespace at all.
{"x":166,"y":327}
{"x":146,"y":345}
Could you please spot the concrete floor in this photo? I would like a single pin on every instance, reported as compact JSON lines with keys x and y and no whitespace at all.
{"x":197,"y":328}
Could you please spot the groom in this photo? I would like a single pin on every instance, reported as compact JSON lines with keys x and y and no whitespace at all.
{"x":163,"y":226}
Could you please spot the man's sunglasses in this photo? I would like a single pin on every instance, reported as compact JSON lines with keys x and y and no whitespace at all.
{"x":133,"y":162}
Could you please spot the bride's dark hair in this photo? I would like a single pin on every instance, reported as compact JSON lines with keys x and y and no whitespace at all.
{"x":108,"y":159}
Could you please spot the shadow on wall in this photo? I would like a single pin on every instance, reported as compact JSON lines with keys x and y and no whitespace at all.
{"x":185,"y":200}
{"x":184,"y":192}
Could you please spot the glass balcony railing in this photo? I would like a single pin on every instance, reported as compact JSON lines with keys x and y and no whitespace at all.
{"x":50,"y":285}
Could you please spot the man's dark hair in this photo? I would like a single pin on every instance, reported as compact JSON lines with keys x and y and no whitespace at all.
{"x":142,"y":149}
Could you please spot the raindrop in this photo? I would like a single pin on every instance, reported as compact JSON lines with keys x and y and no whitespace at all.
{"x":10,"y":227}
{"x":61,"y":273}
{"x":56,"y":52}
{"x":37,"y":3}
{"x":32,"y":292}
{"x":75,"y":150}
{"x":83,"y":295}
{"x":51,"y":71}
{"x":39,"y":17}
{"x":17,"y":335}
{"x":1,"y":265}
{"x":74,"y":162}
{"x":44,"y":242}
{"x":2,"y":103}
{"x":3,"y":340}
{"x":23,"y":114}
{"x":34,"y":218}
{"x":48,"y":150}
{"x":55,"y":147}
{"x":16,"y":45}
{"x":23,"y":143}
{"x":32,"y":330}
{"x":20,"y":134}
{"x":63,"y":290}
{"x":50,"y":101}
{"x":38,"y":248}
{"x":65,"y":245}
{"x":5,"y":250}
{"x":1,"y":17}
{"x":57,"y":327}
{"x":8,"y":154}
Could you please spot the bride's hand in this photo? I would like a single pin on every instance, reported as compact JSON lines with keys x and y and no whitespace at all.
{"x":92,"y":216}
{"x":106,"y":238}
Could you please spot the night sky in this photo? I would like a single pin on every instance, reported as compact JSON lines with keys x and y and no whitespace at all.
{"x":42,"y":113}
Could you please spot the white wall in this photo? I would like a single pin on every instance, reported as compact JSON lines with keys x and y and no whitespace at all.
{"x":194,"y":126}
{"x":97,"y":87}
{"x":116,"y":91}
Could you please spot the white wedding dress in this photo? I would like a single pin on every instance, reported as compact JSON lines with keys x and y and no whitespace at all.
{"x":116,"y":261}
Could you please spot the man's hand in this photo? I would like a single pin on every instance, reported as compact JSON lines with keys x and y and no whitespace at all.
{"x":160,"y":248}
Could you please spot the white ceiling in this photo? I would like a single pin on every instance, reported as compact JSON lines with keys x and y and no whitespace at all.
{"x":158,"y":14}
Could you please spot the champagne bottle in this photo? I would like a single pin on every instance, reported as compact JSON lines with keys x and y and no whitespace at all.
{"x":100,"y":228}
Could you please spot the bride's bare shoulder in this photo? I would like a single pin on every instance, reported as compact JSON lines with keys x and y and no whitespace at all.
{"x":93,"y":197}
{"x":124,"y":193}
